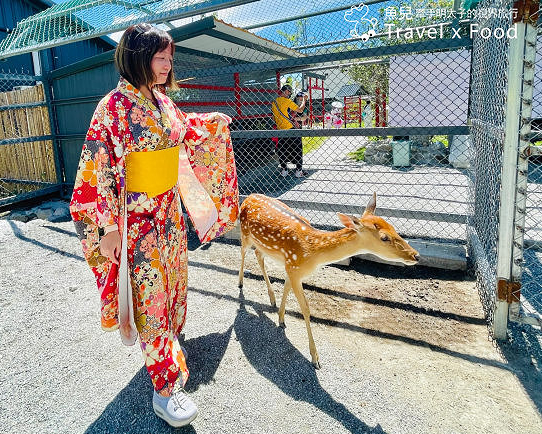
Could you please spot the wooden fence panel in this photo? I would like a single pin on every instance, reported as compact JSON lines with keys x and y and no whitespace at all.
{"x":30,"y":161}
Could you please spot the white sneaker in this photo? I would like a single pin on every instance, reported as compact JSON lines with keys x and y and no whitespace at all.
{"x":177,"y":409}
{"x":284,"y":173}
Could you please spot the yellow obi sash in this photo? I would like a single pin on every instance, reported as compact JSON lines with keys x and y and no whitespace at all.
{"x":152,"y":172}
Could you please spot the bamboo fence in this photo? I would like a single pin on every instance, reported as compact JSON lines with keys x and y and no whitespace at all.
{"x":31,"y":161}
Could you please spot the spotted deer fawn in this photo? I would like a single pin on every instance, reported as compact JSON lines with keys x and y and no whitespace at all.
{"x":275,"y":230}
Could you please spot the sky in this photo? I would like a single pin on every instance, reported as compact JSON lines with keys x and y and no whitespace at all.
{"x":319,"y":28}
{"x":332,"y":26}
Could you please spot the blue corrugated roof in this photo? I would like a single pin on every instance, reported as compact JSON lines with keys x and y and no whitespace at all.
{"x":350,"y":90}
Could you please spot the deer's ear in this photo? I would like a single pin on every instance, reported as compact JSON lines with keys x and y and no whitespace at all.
{"x":371,"y":206}
{"x":349,"y":221}
{"x":369,"y":225}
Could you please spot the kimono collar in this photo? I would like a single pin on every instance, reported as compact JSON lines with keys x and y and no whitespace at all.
{"x":136,"y":96}
{"x":165,"y":112}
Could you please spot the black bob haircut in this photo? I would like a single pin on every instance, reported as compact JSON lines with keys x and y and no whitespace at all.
{"x":135,"y":50}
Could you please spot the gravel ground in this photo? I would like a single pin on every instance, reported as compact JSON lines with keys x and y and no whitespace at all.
{"x":403,"y":350}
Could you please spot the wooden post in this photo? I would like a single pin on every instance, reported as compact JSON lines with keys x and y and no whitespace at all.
{"x":345,"y":110}
{"x":323,"y":103}
{"x":377,"y":107}
{"x":359,"y":111}
{"x":384,"y":112}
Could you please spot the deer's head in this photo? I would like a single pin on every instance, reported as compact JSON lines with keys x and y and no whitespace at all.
{"x":379,"y":237}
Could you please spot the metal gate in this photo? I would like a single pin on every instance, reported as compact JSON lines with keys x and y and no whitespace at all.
{"x":504,"y":230}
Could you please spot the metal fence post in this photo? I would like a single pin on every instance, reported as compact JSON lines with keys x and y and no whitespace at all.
{"x":57,"y":150}
{"x":508,"y":184}
{"x":523,"y":164}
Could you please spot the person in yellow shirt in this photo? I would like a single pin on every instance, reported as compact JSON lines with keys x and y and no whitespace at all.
{"x":289,"y":149}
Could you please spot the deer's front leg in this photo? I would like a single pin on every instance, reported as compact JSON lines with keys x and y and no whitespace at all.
{"x":272,"y":300}
{"x":297,"y":287}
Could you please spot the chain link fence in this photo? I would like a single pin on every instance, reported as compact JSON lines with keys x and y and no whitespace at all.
{"x":410,"y":100}
{"x":527,"y":266}
{"x":504,"y":215}
{"x":487,"y":117}
{"x":27,"y":160}
{"x":386,"y":106}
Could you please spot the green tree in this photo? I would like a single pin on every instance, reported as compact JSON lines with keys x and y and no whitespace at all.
{"x":370,"y":76}
{"x":298,"y":36}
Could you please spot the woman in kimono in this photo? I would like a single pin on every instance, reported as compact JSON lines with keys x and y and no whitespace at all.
{"x":141,"y":157}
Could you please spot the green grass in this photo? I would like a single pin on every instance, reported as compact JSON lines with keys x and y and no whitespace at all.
{"x":312,"y":143}
{"x":377,"y":138}
{"x":353,"y":125}
{"x":443,"y":139}
{"x":358,"y":155}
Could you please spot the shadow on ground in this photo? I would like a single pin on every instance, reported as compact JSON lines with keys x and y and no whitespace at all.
{"x":522,"y":350}
{"x":523,"y":353}
{"x":269,"y":351}
{"x":131,"y":410}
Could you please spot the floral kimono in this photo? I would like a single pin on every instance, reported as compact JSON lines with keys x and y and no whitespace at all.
{"x":126,"y":125}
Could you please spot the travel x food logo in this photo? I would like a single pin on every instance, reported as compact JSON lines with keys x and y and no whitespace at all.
{"x":358,"y":16}
{"x":398,"y":23}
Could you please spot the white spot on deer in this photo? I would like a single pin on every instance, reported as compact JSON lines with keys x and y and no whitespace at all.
{"x":294,"y":257}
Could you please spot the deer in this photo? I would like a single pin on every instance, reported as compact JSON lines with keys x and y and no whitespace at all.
{"x":278,"y":232}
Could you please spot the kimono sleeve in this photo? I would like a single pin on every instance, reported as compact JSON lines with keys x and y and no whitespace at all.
{"x":94,"y":205}
{"x":210,"y":152}
{"x":107,"y":185}
{"x":96,"y":188}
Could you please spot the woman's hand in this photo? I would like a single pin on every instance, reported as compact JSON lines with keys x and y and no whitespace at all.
{"x":110,"y":246}
{"x":219,"y":117}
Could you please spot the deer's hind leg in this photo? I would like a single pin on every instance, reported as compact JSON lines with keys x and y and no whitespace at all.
{"x":272,"y":300}
{"x":282,"y":309}
{"x":244,"y":246}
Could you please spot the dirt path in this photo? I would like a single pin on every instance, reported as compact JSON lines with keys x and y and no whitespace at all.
{"x":403,"y":350}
